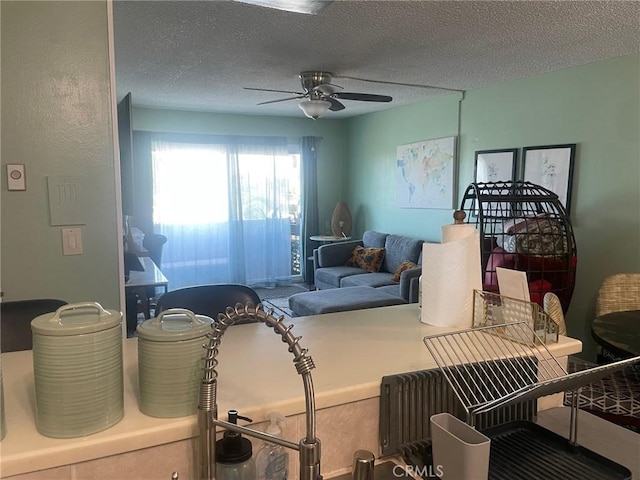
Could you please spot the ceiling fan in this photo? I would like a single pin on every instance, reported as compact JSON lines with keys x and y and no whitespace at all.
{"x":321,"y":95}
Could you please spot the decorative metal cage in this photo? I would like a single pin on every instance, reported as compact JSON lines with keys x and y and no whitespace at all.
{"x":524,"y":227}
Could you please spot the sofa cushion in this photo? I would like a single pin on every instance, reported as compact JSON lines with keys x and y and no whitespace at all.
{"x":367,"y":280}
{"x":391,"y":290}
{"x":331,"y":277}
{"x":406,"y":265}
{"x":398,"y":249}
{"x":369,"y":259}
{"x":334,"y":254}
{"x":374,"y":239}
{"x":340,"y":300}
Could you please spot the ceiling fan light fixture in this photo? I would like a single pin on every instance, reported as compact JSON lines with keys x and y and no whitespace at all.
{"x":314,"y":108}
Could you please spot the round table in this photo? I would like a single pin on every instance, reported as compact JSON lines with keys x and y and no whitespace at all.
{"x":328,"y":238}
{"x":618,"y":332}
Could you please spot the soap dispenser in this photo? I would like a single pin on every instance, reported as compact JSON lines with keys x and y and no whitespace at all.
{"x":272,"y":461}
{"x":233,"y":453}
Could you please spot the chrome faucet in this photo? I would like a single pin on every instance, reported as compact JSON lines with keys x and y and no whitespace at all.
{"x":308,"y":448}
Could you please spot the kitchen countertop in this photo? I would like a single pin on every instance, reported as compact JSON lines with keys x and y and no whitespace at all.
{"x":352,"y":351}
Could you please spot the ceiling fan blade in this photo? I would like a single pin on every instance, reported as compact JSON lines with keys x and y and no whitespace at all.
{"x":336,"y":106}
{"x":310,"y":7}
{"x":269,"y":90}
{"x":327,"y":88}
{"x":281,"y":100}
{"x":362,"y":97}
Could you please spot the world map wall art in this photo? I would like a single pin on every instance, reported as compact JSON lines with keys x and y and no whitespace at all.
{"x":425,"y":173}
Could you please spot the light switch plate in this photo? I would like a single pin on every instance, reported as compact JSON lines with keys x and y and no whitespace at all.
{"x":71,"y":241}
{"x":15,"y":177}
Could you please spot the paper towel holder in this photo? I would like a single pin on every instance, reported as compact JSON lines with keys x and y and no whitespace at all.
{"x":459,"y":216}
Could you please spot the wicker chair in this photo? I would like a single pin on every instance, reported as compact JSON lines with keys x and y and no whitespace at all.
{"x":619,"y":293}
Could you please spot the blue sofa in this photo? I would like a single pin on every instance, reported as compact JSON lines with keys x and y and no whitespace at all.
{"x":331,"y":270}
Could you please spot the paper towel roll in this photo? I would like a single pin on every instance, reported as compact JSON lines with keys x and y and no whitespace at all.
{"x":451,"y":272}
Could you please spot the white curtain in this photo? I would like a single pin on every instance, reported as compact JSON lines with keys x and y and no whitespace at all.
{"x":226,"y":210}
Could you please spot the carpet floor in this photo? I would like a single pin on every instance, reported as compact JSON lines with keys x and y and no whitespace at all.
{"x":278,"y":297}
{"x":280,"y":306}
{"x":281,"y":291}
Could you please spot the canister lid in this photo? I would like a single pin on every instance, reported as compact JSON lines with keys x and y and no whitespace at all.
{"x":76,"y":319}
{"x":173,"y":325}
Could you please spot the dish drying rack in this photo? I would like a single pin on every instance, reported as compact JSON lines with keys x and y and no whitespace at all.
{"x":520,"y":367}
{"x":495,"y":309}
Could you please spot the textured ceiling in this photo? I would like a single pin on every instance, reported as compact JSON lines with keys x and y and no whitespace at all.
{"x":198,"y":55}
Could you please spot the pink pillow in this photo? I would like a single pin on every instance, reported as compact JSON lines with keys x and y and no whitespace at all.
{"x":498,"y":258}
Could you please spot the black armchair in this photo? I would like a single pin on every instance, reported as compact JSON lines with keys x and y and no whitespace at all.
{"x":209,"y":300}
{"x":154,"y":243}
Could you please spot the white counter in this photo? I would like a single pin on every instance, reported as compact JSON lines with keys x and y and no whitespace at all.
{"x":352,"y":351}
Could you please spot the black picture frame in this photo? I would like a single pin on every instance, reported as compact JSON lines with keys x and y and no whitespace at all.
{"x":492,"y":166}
{"x":551,"y":166}
{"x":495,"y":165}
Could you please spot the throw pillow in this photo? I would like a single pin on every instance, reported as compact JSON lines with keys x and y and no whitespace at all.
{"x":369,"y":259}
{"x":406,"y":265}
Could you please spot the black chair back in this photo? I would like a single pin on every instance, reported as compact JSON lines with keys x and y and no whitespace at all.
{"x":15,"y":321}
{"x":209,"y":300}
{"x":154,"y":243}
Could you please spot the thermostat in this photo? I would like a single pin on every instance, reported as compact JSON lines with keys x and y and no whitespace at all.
{"x":15,"y":177}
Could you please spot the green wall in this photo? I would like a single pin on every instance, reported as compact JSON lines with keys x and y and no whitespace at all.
{"x":56,"y":119}
{"x":372,"y":166}
{"x":596,"y":106}
{"x":332,"y":152}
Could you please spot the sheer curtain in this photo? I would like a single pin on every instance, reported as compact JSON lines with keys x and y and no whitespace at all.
{"x":225,"y":208}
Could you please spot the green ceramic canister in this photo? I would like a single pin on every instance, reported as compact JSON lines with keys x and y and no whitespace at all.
{"x":171,"y":361}
{"x":77,"y":365}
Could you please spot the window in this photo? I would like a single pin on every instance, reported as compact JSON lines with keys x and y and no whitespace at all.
{"x":230,"y":212}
